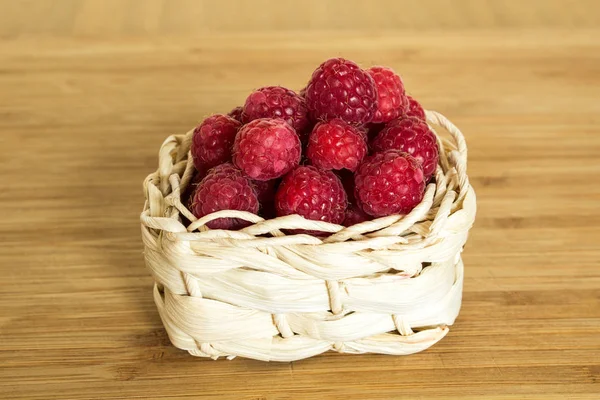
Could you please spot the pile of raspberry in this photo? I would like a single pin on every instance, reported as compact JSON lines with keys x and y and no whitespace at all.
{"x":349,"y":147}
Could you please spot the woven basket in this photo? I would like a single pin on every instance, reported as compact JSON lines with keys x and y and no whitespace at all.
{"x":392,"y":285}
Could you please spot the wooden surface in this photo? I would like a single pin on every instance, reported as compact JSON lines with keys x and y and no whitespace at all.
{"x":88,"y":93}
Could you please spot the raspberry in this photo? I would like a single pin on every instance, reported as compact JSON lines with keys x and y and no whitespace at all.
{"x":197,"y":178}
{"x":212,"y":140}
{"x":276,"y":102}
{"x":391,"y":97}
{"x":224,"y":188}
{"x":187,"y":196}
{"x":414,"y":109}
{"x":355,"y":215}
{"x":267,"y":210}
{"x":236,"y":113}
{"x":340,"y":89}
{"x":314,"y":194}
{"x":336,"y":145}
{"x":363,"y":130}
{"x":265,"y":149}
{"x":265,"y":192}
{"x":373,"y":130}
{"x":390,"y":182}
{"x":412,"y":136}
{"x":305,"y":134}
{"x":347,"y":179}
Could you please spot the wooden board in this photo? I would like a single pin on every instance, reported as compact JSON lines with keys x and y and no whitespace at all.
{"x":88,"y":95}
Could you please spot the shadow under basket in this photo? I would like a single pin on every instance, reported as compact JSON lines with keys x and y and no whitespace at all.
{"x":391,"y":286}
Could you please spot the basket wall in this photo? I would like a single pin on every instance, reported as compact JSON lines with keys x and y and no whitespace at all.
{"x":391,"y":286}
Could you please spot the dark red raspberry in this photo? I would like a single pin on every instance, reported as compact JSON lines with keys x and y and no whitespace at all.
{"x":267,"y":210}
{"x":373,"y":130}
{"x":305,"y":134}
{"x":277,"y":102}
{"x":391,"y":96}
{"x":414,"y":109}
{"x":265,"y":192}
{"x":224,"y":188}
{"x":347,"y":178}
{"x":336,"y":145}
{"x":212,"y":140}
{"x":390,"y":182}
{"x":312,"y":193}
{"x":236,"y":113}
{"x":266,"y":149}
{"x":341,"y":89}
{"x":412,"y":136}
{"x":186,"y":197}
{"x":355,"y":215}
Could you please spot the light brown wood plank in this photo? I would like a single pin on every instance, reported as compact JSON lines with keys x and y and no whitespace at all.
{"x":88,"y":93}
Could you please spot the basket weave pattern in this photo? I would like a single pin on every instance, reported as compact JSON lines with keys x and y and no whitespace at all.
{"x":391,"y":285}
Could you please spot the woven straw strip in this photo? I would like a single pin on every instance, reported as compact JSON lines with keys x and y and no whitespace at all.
{"x":187,"y":321}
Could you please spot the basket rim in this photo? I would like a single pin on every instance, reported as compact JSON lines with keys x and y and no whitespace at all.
{"x":451,"y":193}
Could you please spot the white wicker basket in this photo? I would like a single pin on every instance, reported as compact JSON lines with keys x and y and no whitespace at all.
{"x":391,"y":285}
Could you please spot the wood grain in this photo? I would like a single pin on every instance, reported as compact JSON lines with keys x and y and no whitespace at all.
{"x":87,"y":96}
{"x":175,"y":17}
